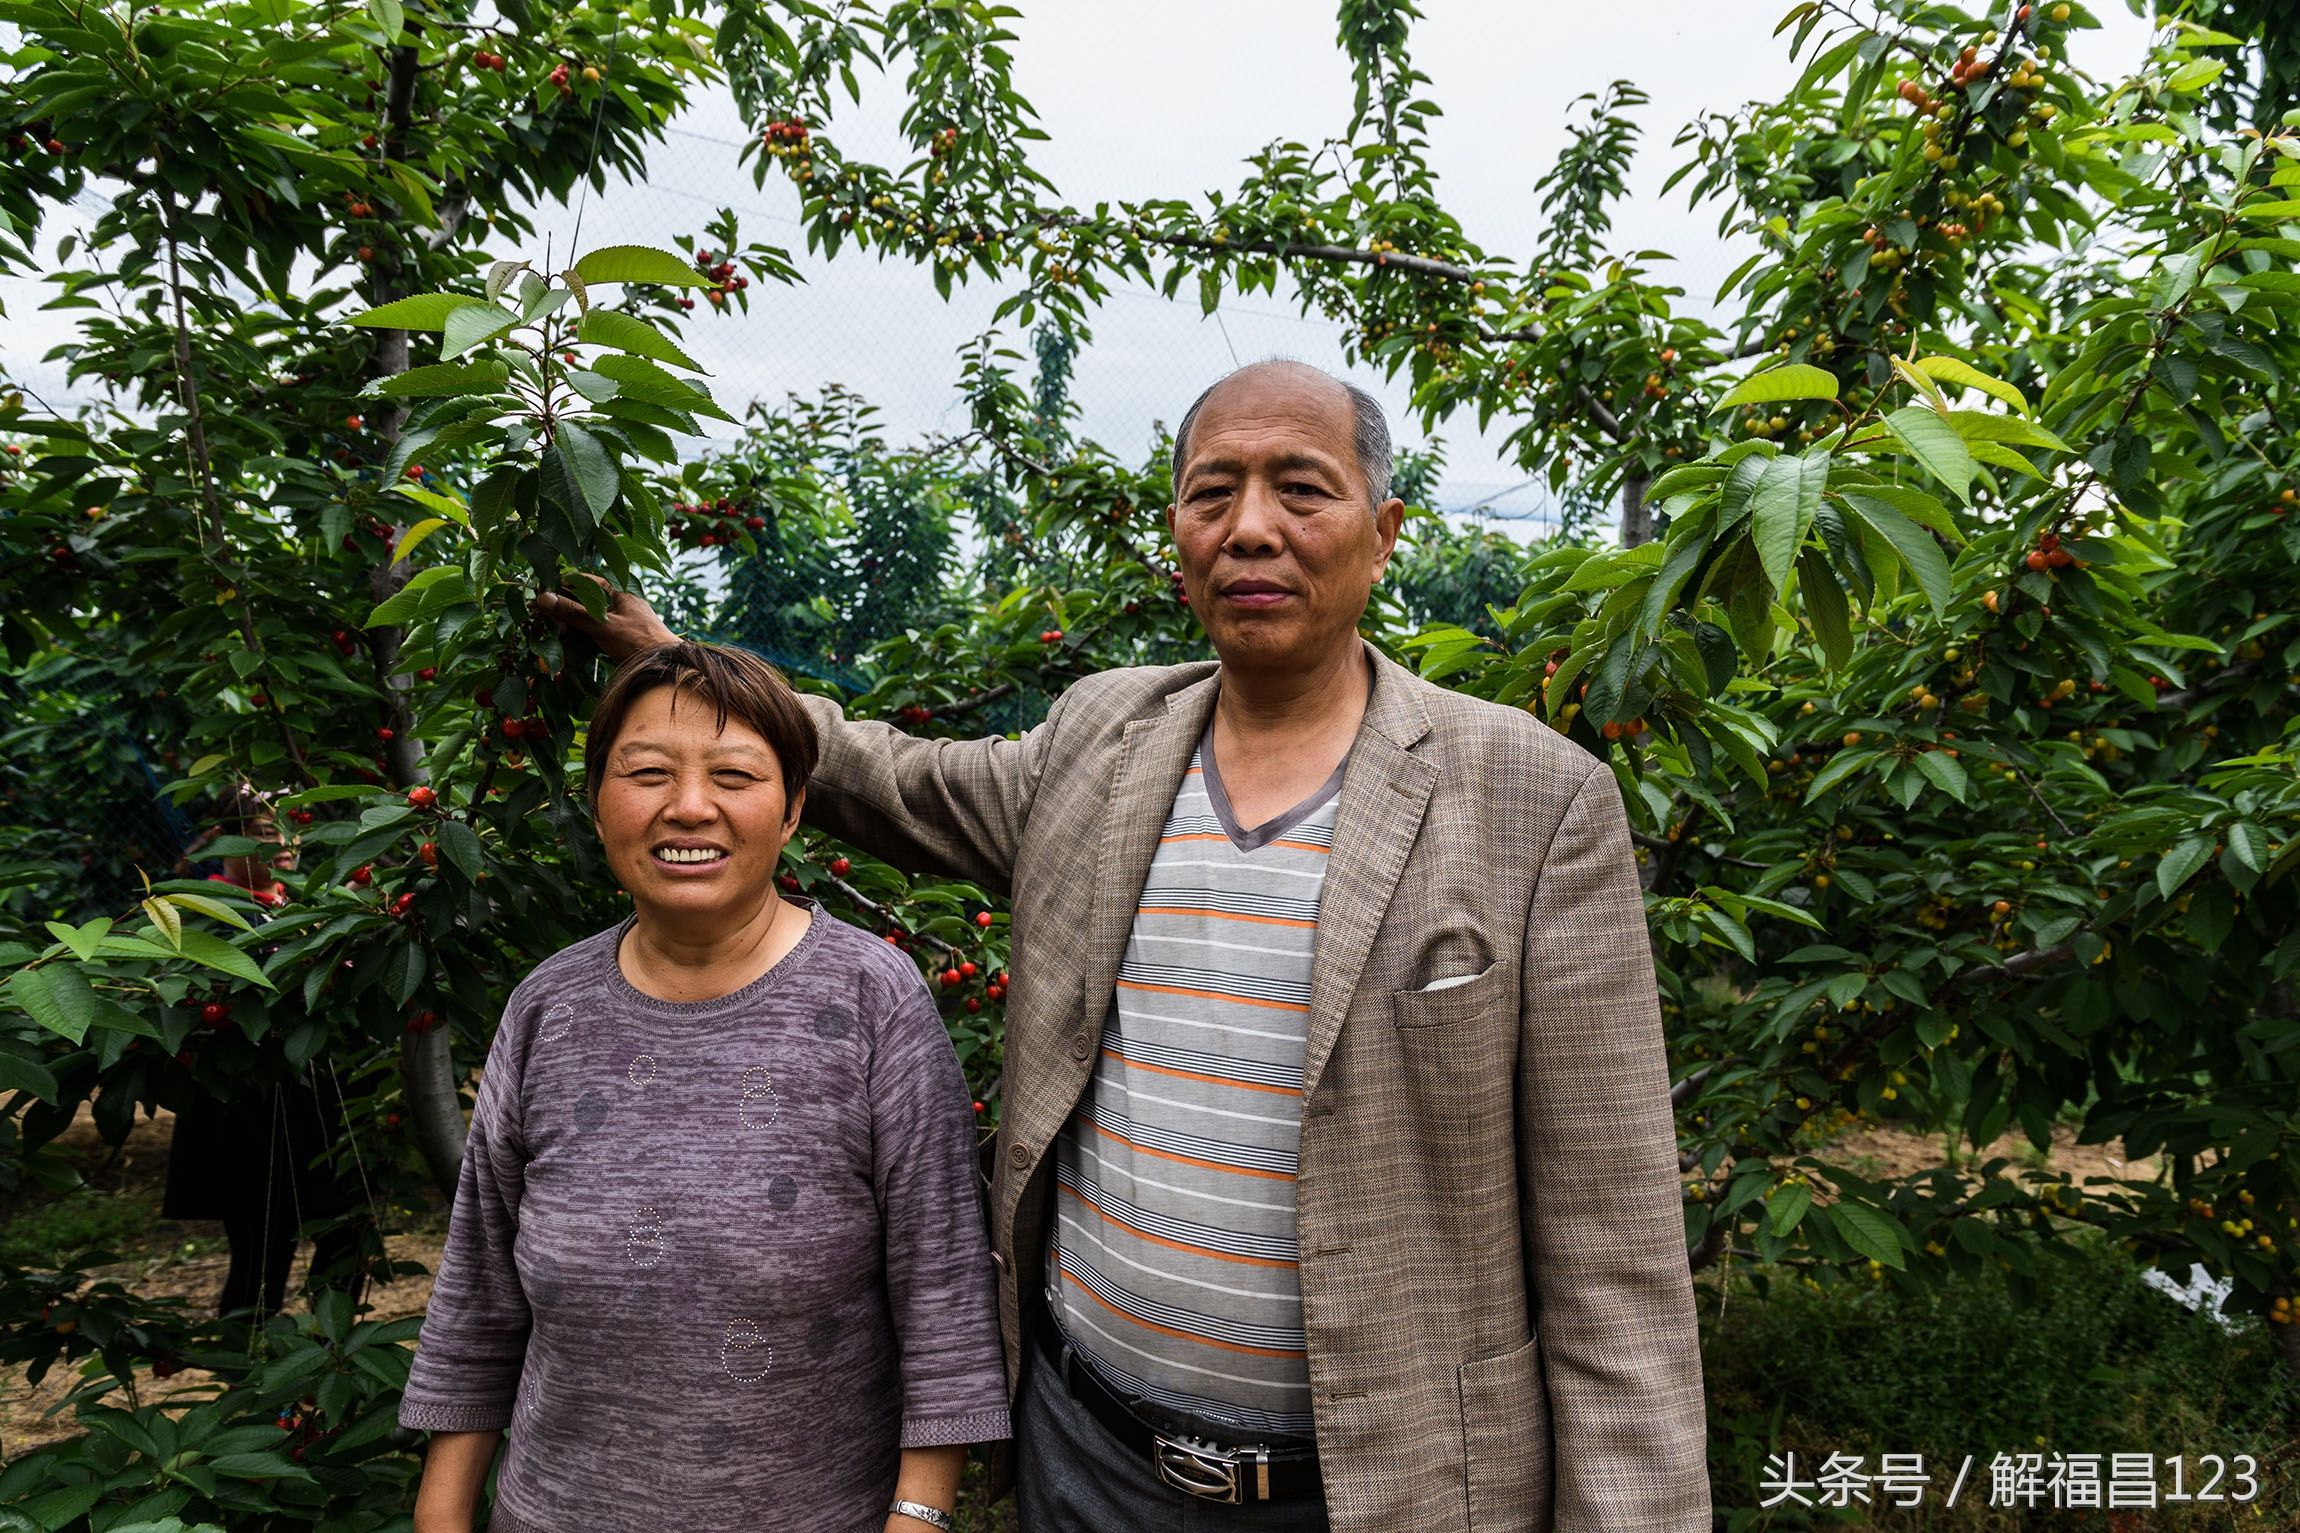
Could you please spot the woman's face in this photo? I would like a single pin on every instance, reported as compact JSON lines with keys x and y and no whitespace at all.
{"x":693,"y":818}
{"x":255,"y":871}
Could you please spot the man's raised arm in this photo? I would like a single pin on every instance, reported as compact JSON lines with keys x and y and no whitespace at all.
{"x":927,"y":806}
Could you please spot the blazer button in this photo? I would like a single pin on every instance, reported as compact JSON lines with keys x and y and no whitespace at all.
{"x":1081,"y":1046}
{"x":1018,"y":1155}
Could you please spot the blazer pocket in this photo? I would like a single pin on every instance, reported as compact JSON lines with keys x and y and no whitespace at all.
{"x":1454,"y":1002}
{"x":1505,"y":1437}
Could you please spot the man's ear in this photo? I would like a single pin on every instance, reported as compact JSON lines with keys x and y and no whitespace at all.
{"x":1389,"y":518}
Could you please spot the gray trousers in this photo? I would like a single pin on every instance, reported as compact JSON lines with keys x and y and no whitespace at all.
{"x":1071,"y":1476}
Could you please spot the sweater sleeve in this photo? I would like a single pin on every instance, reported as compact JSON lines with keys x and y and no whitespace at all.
{"x":474,"y":1340}
{"x":941,"y":1289}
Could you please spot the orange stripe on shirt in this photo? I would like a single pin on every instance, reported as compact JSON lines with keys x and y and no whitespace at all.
{"x":1193,"y":1160}
{"x":1176,"y":1331}
{"x":1177,"y":1245}
{"x":1221,"y":915}
{"x":1199,"y":1075}
{"x":1212,"y":995}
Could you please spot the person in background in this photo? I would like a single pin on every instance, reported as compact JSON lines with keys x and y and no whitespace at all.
{"x":259,"y":1159}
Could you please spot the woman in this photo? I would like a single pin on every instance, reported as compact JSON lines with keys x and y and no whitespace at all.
{"x":261,"y":1161}
{"x":717,"y":1258}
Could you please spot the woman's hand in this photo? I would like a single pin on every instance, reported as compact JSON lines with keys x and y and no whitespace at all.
{"x":928,"y":1476}
{"x":629,"y":626}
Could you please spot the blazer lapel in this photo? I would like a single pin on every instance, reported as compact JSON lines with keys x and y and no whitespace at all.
{"x":1152,"y":757}
{"x":1385,"y":790}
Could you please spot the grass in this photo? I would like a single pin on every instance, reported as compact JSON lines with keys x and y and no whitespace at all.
{"x":2088,"y":1360}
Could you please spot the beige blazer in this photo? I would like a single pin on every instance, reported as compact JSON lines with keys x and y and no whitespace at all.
{"x":1494,"y":1277}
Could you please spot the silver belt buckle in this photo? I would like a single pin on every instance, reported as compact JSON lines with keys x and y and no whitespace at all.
{"x":1208,"y":1472}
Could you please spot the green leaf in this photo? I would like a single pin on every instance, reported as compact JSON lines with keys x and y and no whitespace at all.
{"x":1788,"y":1207}
{"x":389,"y":19}
{"x":1950,"y":370}
{"x":1791,"y":380}
{"x":460,"y":845}
{"x":412,"y":539}
{"x":1875,"y":1235}
{"x":424,"y":311}
{"x":1934,"y":443}
{"x":639,"y":263}
{"x":1782,"y":508}
{"x":2250,"y":844}
{"x":18,"y":1073}
{"x":403,"y":970}
{"x":644,"y":381}
{"x":1980,"y":426}
{"x":442,"y":378}
{"x":2181,"y":862}
{"x":212,"y":951}
{"x":57,"y":997}
{"x":1840,"y":766}
{"x":608,"y":327}
{"x":215,"y":910}
{"x":82,"y":940}
{"x":1825,"y":606}
{"x":1944,"y":772}
{"x":471,"y":324}
{"x":590,"y":467}
{"x":1914,"y":544}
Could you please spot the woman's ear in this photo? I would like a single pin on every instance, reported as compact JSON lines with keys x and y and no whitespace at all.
{"x":791,"y":814}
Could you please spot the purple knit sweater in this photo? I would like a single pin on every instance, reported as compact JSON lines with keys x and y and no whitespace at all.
{"x":715,"y":1264}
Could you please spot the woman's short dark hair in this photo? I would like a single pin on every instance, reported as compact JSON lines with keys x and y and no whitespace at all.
{"x":736,"y":683}
{"x":241,"y":809}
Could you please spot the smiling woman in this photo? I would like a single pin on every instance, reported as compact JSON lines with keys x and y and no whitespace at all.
{"x":726,"y":1144}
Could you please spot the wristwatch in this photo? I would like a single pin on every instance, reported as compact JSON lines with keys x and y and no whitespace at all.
{"x":926,"y":1514}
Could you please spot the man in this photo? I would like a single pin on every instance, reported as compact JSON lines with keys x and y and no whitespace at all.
{"x":1337,"y":1180}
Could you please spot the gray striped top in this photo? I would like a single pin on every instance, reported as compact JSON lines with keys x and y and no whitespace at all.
{"x":1172,"y":1262}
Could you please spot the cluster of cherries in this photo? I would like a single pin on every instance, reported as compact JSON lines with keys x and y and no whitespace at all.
{"x":721,"y":272}
{"x":486,"y":60}
{"x":689,"y":525}
{"x":2048,"y":554}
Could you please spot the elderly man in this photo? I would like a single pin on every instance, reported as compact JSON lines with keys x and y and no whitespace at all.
{"x":1337,"y":1180}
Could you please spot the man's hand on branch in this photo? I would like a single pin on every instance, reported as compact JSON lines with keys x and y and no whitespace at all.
{"x":629,"y":626}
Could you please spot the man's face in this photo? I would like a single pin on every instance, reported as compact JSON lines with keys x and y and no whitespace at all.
{"x":1279,"y":548}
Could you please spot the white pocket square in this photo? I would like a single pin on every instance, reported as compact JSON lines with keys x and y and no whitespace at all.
{"x":1447,"y":983}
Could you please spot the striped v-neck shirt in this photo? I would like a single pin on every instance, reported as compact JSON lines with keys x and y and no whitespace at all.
{"x":1173,"y":1265}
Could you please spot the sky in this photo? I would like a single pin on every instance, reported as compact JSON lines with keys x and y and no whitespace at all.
{"x":1169,"y":100}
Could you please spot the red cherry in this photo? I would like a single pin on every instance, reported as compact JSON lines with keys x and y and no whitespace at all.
{"x":429,"y":852}
{"x":951,"y":977}
{"x":361,"y":875}
{"x":982,"y":919}
{"x":754,"y":522}
{"x":386,"y":734}
{"x":484,"y":697}
{"x":213,"y":1014}
{"x":1002,"y":979}
{"x":978,"y":1107}
{"x":966,"y":970}
{"x":839,"y":866}
{"x":972,"y":1004}
{"x":421,"y":798}
{"x":514,"y":728}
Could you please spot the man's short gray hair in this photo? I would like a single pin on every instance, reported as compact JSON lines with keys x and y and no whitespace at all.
{"x":1369,"y":429}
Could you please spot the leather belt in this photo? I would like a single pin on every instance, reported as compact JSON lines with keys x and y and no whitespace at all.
{"x":1207,"y":1470}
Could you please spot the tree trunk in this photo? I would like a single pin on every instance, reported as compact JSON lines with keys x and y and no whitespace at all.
{"x":1636,"y":521}
{"x":426,"y":1059}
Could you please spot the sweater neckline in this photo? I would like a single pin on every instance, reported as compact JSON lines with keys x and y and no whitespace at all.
{"x":620,"y":987}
